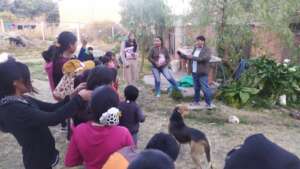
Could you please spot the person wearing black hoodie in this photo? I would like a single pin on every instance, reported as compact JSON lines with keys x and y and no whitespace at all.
{"x":258,"y":152}
{"x":27,"y":119}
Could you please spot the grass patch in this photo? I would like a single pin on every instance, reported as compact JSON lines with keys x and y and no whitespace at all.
{"x":37,"y":70}
{"x":207,"y":118}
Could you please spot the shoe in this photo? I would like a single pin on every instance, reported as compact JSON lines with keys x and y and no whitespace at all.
{"x":194,"y":104}
{"x":157,"y":95}
{"x":211,"y":106}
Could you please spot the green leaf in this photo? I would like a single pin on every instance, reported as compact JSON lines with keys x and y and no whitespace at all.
{"x":244,"y":97}
{"x":296,"y":86}
{"x":249,"y":90}
{"x":230,"y":94}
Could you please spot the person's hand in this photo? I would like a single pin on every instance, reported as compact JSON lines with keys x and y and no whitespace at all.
{"x":81,"y":86}
{"x":85,"y":94}
{"x":189,"y":56}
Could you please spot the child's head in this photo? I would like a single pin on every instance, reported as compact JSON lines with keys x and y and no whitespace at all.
{"x":15,"y":78}
{"x":152,"y":159}
{"x":90,"y":50}
{"x":131,"y":93}
{"x":105,"y":59}
{"x":103,"y":99}
{"x":98,"y":76}
{"x":110,"y":55}
{"x":165,"y":143}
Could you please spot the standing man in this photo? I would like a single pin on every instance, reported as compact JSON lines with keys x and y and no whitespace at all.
{"x":199,"y":67}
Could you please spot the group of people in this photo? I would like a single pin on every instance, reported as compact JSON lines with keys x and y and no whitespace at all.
{"x":97,"y":128}
{"x":104,"y":125}
{"x":102,"y":120}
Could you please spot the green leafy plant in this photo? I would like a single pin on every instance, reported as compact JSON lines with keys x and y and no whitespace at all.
{"x":236,"y":95}
{"x":263,"y":83}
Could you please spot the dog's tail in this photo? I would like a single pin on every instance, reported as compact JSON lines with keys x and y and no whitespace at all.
{"x":207,"y":152}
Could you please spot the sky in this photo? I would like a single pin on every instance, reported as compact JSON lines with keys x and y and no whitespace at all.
{"x":106,"y":9}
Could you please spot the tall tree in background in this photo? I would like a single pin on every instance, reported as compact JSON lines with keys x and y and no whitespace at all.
{"x":145,"y":18}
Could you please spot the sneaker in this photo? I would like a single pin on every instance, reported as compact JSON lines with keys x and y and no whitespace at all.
{"x":157,"y":95}
{"x":211,"y":106}
{"x":194,"y":104}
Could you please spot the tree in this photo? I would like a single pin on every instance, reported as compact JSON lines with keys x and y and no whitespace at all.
{"x":235,"y":17}
{"x":145,"y":18}
{"x":32,"y":8}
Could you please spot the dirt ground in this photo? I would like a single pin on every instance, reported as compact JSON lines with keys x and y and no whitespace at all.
{"x":275,"y":124}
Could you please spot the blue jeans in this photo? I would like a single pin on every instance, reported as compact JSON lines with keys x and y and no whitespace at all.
{"x":201,"y":82}
{"x":167,"y":74}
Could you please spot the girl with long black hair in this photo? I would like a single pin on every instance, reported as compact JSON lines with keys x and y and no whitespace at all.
{"x":27,"y":119}
{"x":56,"y":55}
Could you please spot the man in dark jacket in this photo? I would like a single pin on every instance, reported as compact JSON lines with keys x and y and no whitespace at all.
{"x":199,"y":67}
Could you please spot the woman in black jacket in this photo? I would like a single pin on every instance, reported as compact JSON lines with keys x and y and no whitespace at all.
{"x":27,"y":119}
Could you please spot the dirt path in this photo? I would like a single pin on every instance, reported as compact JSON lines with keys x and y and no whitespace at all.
{"x":275,"y":125}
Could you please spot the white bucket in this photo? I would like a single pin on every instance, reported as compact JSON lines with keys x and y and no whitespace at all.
{"x":282,"y":100}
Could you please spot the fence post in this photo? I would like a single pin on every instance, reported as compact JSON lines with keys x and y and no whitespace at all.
{"x":2,"y":25}
{"x":42,"y":30}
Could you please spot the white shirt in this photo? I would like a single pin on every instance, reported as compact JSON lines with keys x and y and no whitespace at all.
{"x":194,"y":64}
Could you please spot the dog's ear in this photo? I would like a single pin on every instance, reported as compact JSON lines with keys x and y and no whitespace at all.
{"x":182,"y":109}
{"x":176,"y":109}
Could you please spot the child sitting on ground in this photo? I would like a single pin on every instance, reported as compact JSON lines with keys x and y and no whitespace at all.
{"x":132,"y":115}
{"x":93,"y":142}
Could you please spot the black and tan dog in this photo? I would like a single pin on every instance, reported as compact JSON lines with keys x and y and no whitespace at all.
{"x":183,"y":134}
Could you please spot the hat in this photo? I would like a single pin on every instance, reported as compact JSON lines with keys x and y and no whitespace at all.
{"x":75,"y":66}
{"x":111,"y":117}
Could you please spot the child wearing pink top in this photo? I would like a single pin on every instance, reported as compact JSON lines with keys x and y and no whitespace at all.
{"x":93,"y":142}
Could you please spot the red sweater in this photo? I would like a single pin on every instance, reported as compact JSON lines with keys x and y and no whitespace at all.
{"x":92,"y":145}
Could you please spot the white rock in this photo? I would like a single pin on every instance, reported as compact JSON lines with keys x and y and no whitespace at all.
{"x":233,"y":119}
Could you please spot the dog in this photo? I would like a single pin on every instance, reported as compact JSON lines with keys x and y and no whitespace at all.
{"x":184,"y":134}
{"x":16,"y":41}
